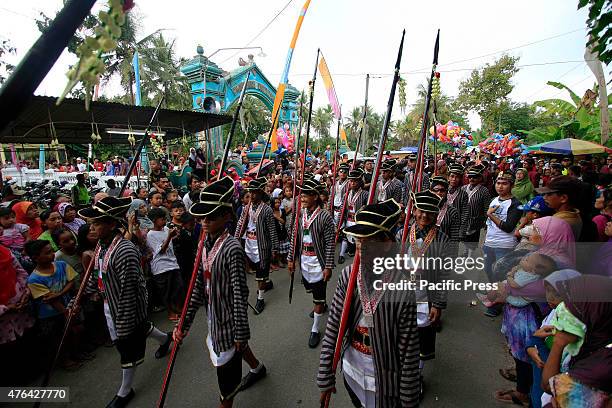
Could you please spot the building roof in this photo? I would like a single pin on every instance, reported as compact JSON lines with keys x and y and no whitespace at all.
{"x":73,"y":124}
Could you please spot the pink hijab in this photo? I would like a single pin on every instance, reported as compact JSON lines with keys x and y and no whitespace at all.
{"x":557,"y":241}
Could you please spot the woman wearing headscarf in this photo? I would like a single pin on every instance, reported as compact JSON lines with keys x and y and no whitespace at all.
{"x":555,"y":238}
{"x":139,"y":207}
{"x":27,"y":213}
{"x":110,"y":169}
{"x":14,"y":316}
{"x":69,"y":217}
{"x":582,"y":333}
{"x":523,"y":189}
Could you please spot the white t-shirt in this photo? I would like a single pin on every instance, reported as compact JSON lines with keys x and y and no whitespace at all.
{"x":496,"y":238}
{"x":250,"y":241}
{"x":187,"y":201}
{"x":161,"y":262}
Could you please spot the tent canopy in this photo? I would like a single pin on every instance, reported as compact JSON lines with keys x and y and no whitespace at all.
{"x":570,"y":146}
{"x":73,"y":124}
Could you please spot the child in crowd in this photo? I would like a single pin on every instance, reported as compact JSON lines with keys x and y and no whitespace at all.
{"x":51,"y":221}
{"x":535,"y":208}
{"x":532,"y":267}
{"x":171,"y":198}
{"x":156,"y":199}
{"x":52,"y":286}
{"x":287,"y":202}
{"x":12,"y":234}
{"x":177,"y":210}
{"x":66,"y":241}
{"x":164,"y":266}
{"x":69,"y":217}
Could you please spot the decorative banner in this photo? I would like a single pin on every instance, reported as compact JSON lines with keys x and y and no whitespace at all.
{"x":41,"y":159}
{"x":280,"y":91}
{"x":136,"y":66}
{"x":332,"y":96}
{"x":329,"y":87}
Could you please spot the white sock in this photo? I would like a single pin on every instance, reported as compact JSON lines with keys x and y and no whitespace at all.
{"x":158,"y":335}
{"x":257,"y":369}
{"x":315,"y":322}
{"x":343,"y":248}
{"x":260,"y":294}
{"x":126,"y":383}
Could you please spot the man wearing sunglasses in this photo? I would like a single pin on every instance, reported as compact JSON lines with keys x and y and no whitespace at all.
{"x":478,"y":204}
{"x":448,"y":220}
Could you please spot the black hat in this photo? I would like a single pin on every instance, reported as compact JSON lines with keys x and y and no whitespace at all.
{"x":506,"y":175}
{"x":563,"y":184}
{"x":356,"y":174}
{"x":257,"y":184}
{"x":438,"y":180}
{"x":344,"y":167}
{"x":374,"y":218}
{"x":214,"y":196}
{"x":476,"y":170}
{"x":322,"y":188}
{"x":309,"y":176}
{"x":388,"y":165}
{"x":112,"y":207}
{"x":456,"y":169}
{"x":412,"y":157}
{"x":426,"y":201}
{"x":310,"y":186}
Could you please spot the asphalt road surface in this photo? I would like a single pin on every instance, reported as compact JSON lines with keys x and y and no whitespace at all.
{"x":470,"y":350}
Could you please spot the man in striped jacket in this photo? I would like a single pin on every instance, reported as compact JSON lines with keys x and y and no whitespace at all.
{"x":389,"y":187}
{"x":118,"y":277}
{"x":314,"y":247}
{"x":221,"y":287}
{"x":380,"y":360}
{"x":448,"y":219}
{"x":478,"y":205}
{"x":409,"y":179}
{"x":457,"y":197}
{"x":339,"y":191}
{"x":256,"y":226}
{"x":357,"y":198}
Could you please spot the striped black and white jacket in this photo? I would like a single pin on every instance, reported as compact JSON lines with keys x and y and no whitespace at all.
{"x":125,"y":288}
{"x":394,"y":339}
{"x":460,"y":202}
{"x":267,"y":238}
{"x":394,"y":189}
{"x":229,"y":296}
{"x":408,"y":186}
{"x":450,"y":225}
{"x":360,"y":201}
{"x":339,"y":190}
{"x":478,"y":204}
{"x":323,"y":233}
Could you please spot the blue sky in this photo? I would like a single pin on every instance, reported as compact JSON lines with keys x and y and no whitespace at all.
{"x":357,"y":37}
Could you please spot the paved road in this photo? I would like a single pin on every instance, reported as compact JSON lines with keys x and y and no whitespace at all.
{"x":470,"y":350}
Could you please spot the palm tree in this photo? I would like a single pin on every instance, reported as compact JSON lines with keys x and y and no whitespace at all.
{"x":353,"y":120}
{"x":321,"y":120}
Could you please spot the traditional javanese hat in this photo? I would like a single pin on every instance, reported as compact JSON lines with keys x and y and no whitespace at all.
{"x":344,"y":167}
{"x":356,"y":174}
{"x":456,"y":169}
{"x":412,"y":157}
{"x":426,"y":201}
{"x":388,"y":165}
{"x":476,"y":170}
{"x":323,"y":188}
{"x":309,"y":176}
{"x":506,"y":175}
{"x":374,"y":218}
{"x":214,"y":196}
{"x":310,"y":187}
{"x":111,"y":207}
{"x":257,"y":184}
{"x":438,"y":180}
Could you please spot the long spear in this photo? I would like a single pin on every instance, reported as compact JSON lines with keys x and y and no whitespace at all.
{"x":233,"y":126}
{"x":194,"y":273}
{"x":298,"y":206}
{"x":361,"y":132}
{"x":346,"y":309}
{"x":77,"y":299}
{"x":418,"y":175}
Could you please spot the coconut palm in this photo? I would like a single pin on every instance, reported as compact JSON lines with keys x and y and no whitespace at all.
{"x":321,"y":120}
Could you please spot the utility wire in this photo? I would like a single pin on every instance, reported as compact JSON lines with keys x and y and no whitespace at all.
{"x":260,"y":32}
{"x":557,"y":80}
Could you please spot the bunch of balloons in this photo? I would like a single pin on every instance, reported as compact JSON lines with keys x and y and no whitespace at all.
{"x":284,"y":137}
{"x":452,"y":134}
{"x":502,"y":145}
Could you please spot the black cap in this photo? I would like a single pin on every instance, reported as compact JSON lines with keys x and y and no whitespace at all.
{"x":388,"y":165}
{"x":561,"y":184}
{"x":112,"y":207}
{"x":213,"y":197}
{"x":438,"y":180}
{"x":373,"y":218}
{"x":426,"y":201}
{"x":257,"y":184}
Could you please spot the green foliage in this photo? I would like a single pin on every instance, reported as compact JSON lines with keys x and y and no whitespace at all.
{"x":487,"y":88}
{"x":322,"y":119}
{"x":257,"y":120}
{"x":5,"y":67}
{"x":558,"y":119}
{"x":599,"y":22}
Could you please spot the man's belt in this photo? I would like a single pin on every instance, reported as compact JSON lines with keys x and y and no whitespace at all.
{"x":361,"y":340}
{"x":308,"y":250}
{"x":251,"y":235}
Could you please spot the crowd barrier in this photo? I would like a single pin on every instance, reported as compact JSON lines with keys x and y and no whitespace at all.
{"x":23,"y":176}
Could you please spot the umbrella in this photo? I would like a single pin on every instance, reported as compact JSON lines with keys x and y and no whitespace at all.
{"x":570,"y":146}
